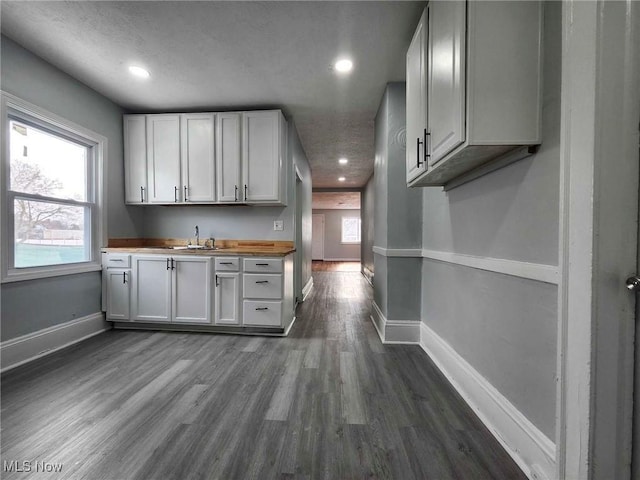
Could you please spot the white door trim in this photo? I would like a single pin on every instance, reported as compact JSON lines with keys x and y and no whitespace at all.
{"x":599,"y":164}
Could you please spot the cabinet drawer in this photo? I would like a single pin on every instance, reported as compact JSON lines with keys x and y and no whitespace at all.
{"x":263,"y":265}
{"x":228,"y":264}
{"x":116,"y":260}
{"x":262,"y":313}
{"x":262,"y":286}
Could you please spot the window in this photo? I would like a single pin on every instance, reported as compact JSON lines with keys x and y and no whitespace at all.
{"x":52,"y":219}
{"x":350,"y":230}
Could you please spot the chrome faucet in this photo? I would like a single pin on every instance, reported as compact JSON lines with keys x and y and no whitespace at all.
{"x":197,"y":236}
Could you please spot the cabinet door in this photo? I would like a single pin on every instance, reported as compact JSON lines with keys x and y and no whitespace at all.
{"x":228,"y":157}
{"x":446,"y":77}
{"x":198,"y":162}
{"x":416,"y":101}
{"x":191,"y":295}
{"x":118,"y":293}
{"x":227,"y":298}
{"x":163,"y":158}
{"x":261,"y":166}
{"x":135,"y":158}
{"x":151,"y":300}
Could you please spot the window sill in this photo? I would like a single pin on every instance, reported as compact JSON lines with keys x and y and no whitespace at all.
{"x":35,"y":273}
{"x":350,"y":243}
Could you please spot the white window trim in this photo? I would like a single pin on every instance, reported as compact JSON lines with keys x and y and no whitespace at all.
{"x":99,"y":231}
{"x":342,"y":242}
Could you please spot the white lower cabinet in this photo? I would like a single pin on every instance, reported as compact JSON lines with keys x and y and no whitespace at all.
{"x":191,"y":290}
{"x":227,"y":298}
{"x":262,"y":313}
{"x":171,"y":289}
{"x":118,"y":293}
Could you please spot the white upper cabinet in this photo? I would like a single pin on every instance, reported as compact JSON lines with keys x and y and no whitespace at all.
{"x":206,"y":158}
{"x":482,"y":94}
{"x":445,"y":73}
{"x":416,"y":101}
{"x":228,"y":157}
{"x":198,"y":157}
{"x":163,"y":158}
{"x":263,"y":154}
{"x":135,"y":158}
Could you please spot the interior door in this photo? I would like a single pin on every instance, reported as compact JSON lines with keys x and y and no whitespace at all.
{"x":317,"y":237}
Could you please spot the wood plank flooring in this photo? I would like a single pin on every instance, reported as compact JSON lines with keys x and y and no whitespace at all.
{"x":329,"y":266}
{"x":329,"y":401}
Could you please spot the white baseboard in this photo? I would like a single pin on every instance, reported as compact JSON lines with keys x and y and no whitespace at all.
{"x":531,"y":449}
{"x":306,"y":290}
{"x":395,"y":331}
{"x":368,"y":275}
{"x":24,"y":349}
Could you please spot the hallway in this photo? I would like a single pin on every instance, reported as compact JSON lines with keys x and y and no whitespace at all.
{"x":329,"y":401}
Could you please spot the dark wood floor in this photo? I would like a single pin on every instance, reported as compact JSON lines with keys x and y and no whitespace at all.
{"x":325,"y":266}
{"x":330,"y":401}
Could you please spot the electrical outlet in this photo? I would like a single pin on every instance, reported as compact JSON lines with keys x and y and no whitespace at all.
{"x":278,"y":225}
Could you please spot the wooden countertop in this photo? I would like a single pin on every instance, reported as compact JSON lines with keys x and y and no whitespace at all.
{"x":167,"y":246}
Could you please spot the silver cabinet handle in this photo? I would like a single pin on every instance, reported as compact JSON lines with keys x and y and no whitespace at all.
{"x":262,"y":264}
{"x":185,"y":194}
{"x":141,"y":194}
{"x":236,"y":193}
{"x":175,"y":194}
{"x":116,"y":260}
{"x":217,"y":282}
{"x":245,"y":193}
{"x":262,"y":308}
{"x":124,"y":277}
{"x":168,"y":264}
{"x":262,"y":281}
{"x":226,"y":263}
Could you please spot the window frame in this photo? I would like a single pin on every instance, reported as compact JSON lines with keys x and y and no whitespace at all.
{"x":342,"y":240}
{"x":14,"y":108}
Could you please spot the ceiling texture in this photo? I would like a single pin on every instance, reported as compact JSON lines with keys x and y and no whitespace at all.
{"x":336,"y":201}
{"x":235,"y":55}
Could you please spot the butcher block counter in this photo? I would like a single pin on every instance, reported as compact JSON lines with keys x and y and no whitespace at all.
{"x":180,"y":246}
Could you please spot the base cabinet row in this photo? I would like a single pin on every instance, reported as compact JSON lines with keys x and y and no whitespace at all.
{"x":198,"y":291}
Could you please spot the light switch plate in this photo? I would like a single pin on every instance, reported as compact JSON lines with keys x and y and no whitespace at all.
{"x":278,"y":225}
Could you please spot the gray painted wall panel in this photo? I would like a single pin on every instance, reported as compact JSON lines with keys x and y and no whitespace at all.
{"x":505,"y":327}
{"x":404,"y":288}
{"x":333,"y":247}
{"x":30,"y":306}
{"x":367,"y":202}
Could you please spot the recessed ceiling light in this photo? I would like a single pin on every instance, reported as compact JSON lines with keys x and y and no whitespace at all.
{"x":139,"y":72}
{"x":343,"y":161}
{"x":343,"y":65}
{"x":341,"y":179}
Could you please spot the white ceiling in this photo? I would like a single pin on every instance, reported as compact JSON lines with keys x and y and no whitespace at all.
{"x":234,"y":55}
{"x":336,"y":201}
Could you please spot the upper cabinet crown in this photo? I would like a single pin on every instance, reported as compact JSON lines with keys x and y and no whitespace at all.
{"x":231,"y":157}
{"x":473,"y":86}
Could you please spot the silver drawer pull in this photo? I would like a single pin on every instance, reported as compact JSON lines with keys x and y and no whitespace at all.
{"x":116,"y":260}
{"x":226,"y":263}
{"x":262,"y":308}
{"x":262,"y":281}
{"x":262,"y":264}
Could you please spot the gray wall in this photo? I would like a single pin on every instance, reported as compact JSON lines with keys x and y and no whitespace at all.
{"x":334,"y":249}
{"x":505,"y":327}
{"x":303,"y":210}
{"x":33,"y":305}
{"x":367,"y":212}
{"x":397,"y":213}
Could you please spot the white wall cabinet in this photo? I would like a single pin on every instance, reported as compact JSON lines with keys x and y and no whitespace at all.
{"x":263,"y":154}
{"x":163,"y":158}
{"x":481,"y":96}
{"x":416,"y":101}
{"x":198,"y":157}
{"x":135,"y":158}
{"x":171,"y":289}
{"x":231,"y":157}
